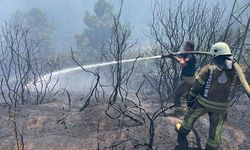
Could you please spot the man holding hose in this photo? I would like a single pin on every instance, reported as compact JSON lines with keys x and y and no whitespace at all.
{"x":210,"y":94}
{"x":187,"y":76}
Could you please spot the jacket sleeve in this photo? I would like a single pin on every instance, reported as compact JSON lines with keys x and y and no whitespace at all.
{"x":198,"y":85}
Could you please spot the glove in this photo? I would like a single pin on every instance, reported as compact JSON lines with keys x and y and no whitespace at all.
{"x":171,"y":54}
{"x":190,"y":101}
{"x":164,"y":56}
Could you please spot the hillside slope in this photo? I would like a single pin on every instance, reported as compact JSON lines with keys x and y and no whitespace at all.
{"x":53,"y":126}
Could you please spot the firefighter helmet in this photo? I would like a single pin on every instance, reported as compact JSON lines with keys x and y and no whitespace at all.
{"x":220,"y":49}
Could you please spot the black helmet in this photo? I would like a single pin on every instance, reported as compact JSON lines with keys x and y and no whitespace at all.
{"x":190,"y":44}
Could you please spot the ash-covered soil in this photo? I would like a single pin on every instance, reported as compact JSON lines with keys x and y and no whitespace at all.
{"x":53,"y":126}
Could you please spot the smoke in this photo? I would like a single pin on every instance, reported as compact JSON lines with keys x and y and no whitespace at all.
{"x":67,"y":16}
{"x":9,"y":7}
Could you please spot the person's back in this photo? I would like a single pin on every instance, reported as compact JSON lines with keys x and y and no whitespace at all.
{"x":190,"y":68}
{"x":220,"y":84}
{"x":217,"y":84}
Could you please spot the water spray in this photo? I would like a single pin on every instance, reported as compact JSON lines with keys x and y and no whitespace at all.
{"x":237,"y":67}
{"x":122,"y":61}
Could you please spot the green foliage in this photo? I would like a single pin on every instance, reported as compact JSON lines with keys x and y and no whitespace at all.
{"x":97,"y":32}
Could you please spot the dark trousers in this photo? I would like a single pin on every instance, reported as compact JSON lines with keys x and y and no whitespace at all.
{"x":182,"y":89}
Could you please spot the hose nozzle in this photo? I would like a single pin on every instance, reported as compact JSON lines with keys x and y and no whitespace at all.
{"x":165,"y":56}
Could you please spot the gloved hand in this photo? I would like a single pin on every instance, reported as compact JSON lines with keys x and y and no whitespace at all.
{"x":164,"y":56}
{"x":171,"y":54}
{"x":191,"y":100}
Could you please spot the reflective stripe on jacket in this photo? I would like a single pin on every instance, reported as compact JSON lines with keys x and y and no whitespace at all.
{"x":208,"y":89}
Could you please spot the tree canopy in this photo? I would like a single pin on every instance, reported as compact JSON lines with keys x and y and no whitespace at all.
{"x":98,"y":30}
{"x":40,"y":29}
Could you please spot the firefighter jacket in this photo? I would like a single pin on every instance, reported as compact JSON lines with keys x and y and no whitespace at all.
{"x":213,"y":86}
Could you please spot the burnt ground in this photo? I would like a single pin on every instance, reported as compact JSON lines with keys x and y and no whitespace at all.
{"x":53,"y":126}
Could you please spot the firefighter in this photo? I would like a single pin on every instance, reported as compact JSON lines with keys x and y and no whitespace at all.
{"x":210,"y":94}
{"x":187,"y":76}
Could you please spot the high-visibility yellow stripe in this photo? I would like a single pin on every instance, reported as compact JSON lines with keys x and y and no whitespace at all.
{"x":194,"y":115}
{"x":200,"y":80}
{"x":212,"y":143}
{"x":192,"y":94}
{"x":186,"y":125}
{"x":218,"y":130}
{"x":217,"y":104}
{"x":212,"y":107}
{"x":222,"y":108}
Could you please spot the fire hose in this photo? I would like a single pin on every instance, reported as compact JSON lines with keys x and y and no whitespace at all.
{"x":237,"y":67}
